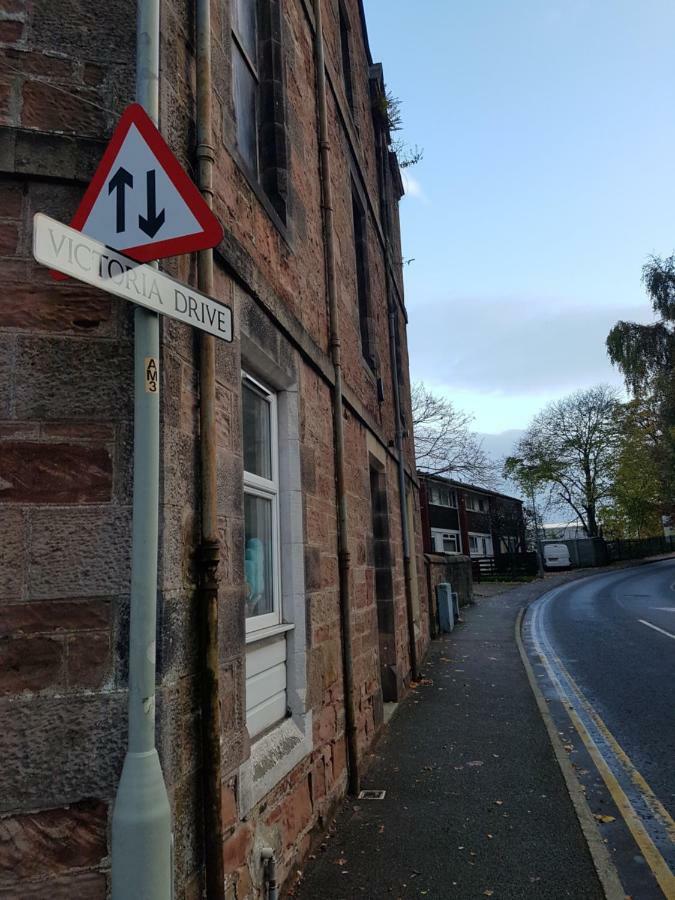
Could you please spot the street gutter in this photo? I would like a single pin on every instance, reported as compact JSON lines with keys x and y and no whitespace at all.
{"x":607,"y":871}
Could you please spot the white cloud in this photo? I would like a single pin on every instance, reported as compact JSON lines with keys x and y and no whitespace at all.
{"x":514,"y":347}
{"x":412,"y":187}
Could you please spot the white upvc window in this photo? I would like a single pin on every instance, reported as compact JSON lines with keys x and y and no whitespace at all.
{"x":480,"y":545}
{"x":261,"y":506}
{"x":476,"y":503}
{"x":445,"y":541}
{"x":441,"y":496}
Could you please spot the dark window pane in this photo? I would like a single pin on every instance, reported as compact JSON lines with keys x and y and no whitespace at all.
{"x":245,"y":104}
{"x":258,"y":566}
{"x":247,"y":27}
{"x":362,"y":280}
{"x":346,"y":57}
{"x":257,"y":433}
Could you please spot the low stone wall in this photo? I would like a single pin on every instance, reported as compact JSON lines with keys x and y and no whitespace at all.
{"x":455,"y":570}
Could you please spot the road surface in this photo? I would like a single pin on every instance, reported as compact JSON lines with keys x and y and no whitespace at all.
{"x":608,"y":647}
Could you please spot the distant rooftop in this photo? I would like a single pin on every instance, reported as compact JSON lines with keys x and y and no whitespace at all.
{"x":442,"y":479}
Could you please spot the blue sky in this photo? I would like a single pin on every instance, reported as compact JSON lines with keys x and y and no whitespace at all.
{"x":548,"y":129}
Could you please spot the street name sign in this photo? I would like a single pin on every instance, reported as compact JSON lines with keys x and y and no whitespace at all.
{"x":141,"y":201}
{"x":73,"y":253}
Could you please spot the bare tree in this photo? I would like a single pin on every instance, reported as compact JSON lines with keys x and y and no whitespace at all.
{"x":444,"y":442}
{"x":570,"y":449}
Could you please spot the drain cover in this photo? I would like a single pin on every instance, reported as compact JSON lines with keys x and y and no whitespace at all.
{"x":372,"y":795}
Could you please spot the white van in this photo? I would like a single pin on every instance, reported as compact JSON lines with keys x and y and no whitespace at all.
{"x":556,"y":556}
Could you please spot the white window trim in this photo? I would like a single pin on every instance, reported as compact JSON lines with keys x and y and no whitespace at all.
{"x":478,"y":500}
{"x":481,"y":536}
{"x":447,"y":531}
{"x":268,"y":489}
{"x":452,"y":496}
{"x":276,"y":753}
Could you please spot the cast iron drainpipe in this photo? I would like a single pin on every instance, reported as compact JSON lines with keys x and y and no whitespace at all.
{"x":209,"y":551}
{"x":338,"y":422}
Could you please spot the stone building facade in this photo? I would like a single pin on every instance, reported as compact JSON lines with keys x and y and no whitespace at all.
{"x":66,"y":414}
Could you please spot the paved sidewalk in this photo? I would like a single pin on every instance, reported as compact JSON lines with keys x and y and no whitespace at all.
{"x":476,"y":805}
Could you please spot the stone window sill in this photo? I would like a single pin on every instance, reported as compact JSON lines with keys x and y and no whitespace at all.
{"x":264,"y":633}
{"x":273,"y":756}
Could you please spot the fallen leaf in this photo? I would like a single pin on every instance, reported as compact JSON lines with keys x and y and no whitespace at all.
{"x":604,"y":819}
{"x":488,"y":893}
{"x":499,"y":802}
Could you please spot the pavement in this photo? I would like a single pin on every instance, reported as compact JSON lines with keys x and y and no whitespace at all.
{"x":476,"y":804}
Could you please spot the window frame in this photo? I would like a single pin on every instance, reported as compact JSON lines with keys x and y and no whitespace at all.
{"x":267,"y":174}
{"x":364,"y":300}
{"x":253,"y":68}
{"x":268,"y":489}
{"x":477,"y":503}
{"x":437,"y":490}
{"x":346,"y":55}
{"x":444,"y":533}
{"x":484,"y":545}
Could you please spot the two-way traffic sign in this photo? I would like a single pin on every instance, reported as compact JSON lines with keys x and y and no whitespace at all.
{"x":140,"y":201}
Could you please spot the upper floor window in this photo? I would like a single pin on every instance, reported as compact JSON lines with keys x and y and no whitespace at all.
{"x":261,"y":506}
{"x":476,"y":503}
{"x":258,"y":96}
{"x":441,"y":496}
{"x":346,"y":54}
{"x":362,"y":280}
{"x":246,"y":80}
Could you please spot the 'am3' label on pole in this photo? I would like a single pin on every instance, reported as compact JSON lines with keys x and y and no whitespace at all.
{"x":151,"y":375}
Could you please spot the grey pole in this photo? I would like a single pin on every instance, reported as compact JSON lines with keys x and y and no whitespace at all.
{"x":141,"y":824}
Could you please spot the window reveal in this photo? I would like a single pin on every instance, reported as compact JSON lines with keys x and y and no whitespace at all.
{"x":261,"y":507}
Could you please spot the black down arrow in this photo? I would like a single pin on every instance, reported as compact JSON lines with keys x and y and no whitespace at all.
{"x":154,"y":220}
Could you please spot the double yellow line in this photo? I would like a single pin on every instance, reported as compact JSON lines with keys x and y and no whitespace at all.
{"x":649,"y":850}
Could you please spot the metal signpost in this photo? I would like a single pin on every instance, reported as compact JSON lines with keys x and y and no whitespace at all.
{"x":140,"y":206}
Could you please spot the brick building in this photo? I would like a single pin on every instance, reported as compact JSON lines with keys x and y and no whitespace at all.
{"x":308,"y":601}
{"x":475,"y":521}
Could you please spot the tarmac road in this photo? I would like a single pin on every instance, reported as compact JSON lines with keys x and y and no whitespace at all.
{"x":608,"y":644}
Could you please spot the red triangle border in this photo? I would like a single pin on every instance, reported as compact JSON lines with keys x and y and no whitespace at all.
{"x":211,"y":232}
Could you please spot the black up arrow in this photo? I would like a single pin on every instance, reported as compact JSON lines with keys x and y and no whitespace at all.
{"x":155,"y":220}
{"x":120,"y":180}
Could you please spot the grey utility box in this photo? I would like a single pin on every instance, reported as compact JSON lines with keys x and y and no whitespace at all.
{"x":448,"y":607}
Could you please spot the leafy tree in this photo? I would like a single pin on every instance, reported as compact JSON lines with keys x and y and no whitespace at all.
{"x":635,"y":495}
{"x":570,"y":449}
{"x":444,"y":442}
{"x":645,"y":355}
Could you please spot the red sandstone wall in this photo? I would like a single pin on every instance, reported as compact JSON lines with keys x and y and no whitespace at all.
{"x":65,"y":455}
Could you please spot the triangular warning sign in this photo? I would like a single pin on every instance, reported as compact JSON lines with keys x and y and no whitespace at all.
{"x":140,"y":201}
